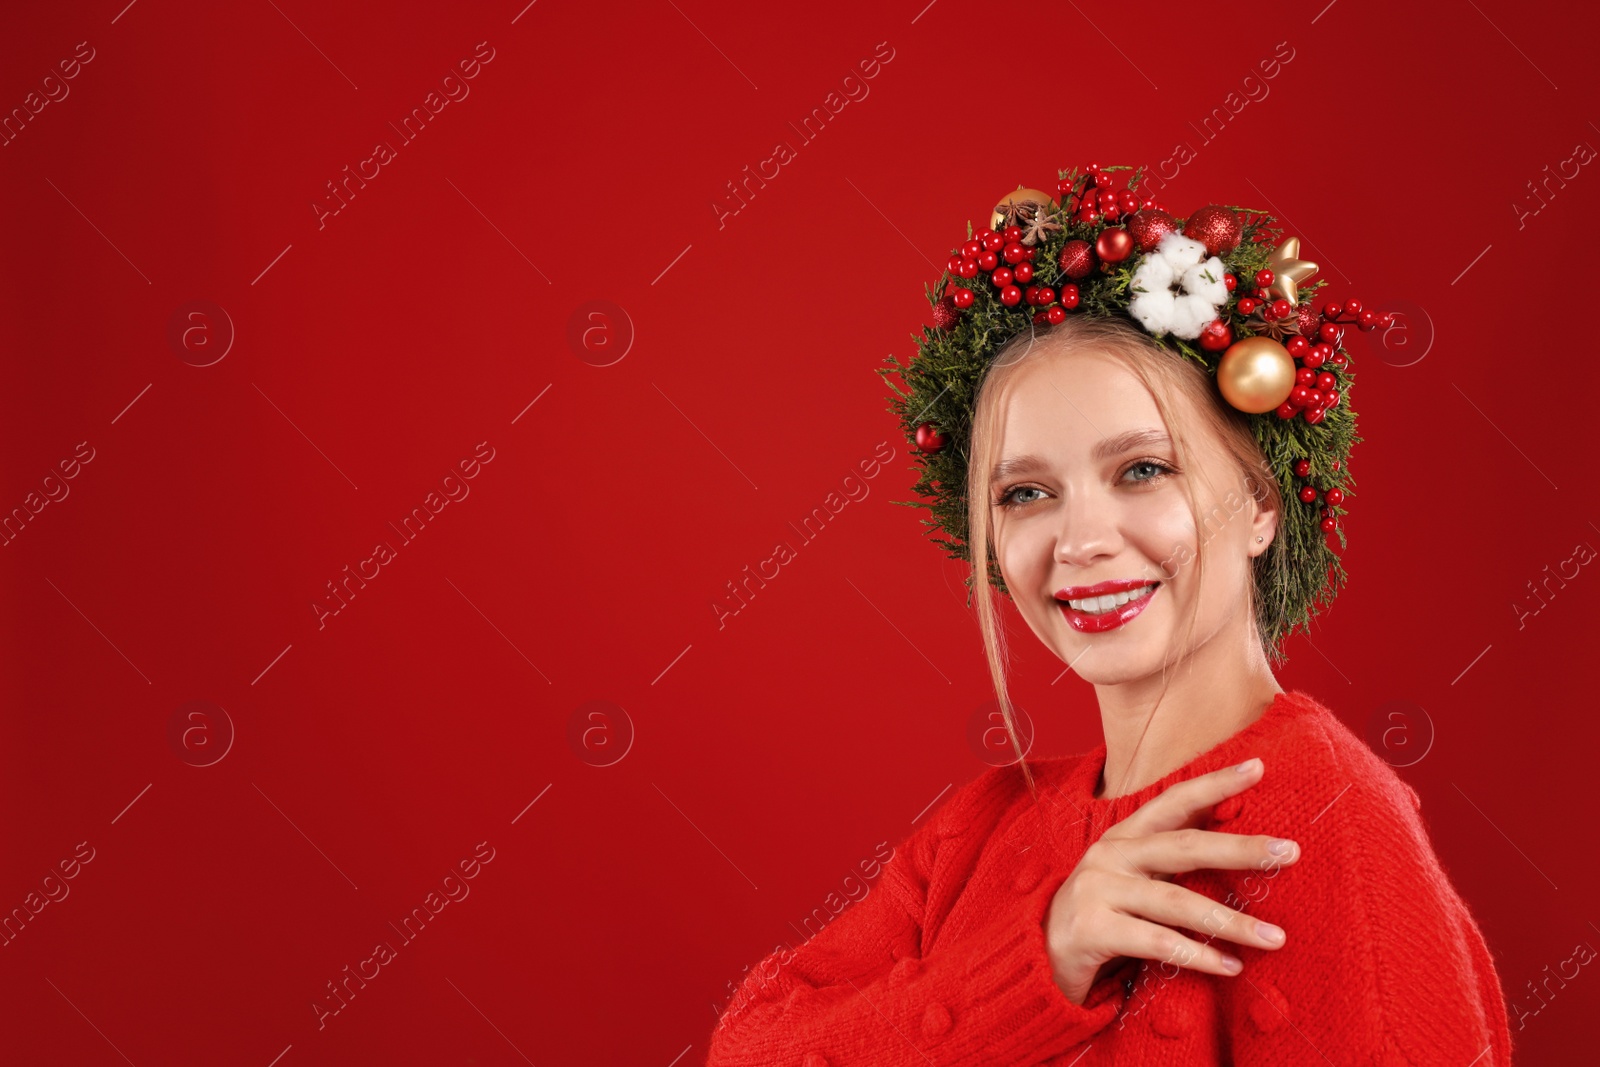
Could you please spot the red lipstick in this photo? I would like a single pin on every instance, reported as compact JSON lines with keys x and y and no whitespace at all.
{"x":1084,"y":622}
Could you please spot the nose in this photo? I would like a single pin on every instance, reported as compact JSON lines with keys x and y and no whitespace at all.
{"x":1088,"y":530}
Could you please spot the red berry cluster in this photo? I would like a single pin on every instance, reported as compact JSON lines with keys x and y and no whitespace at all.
{"x":1100,"y":198}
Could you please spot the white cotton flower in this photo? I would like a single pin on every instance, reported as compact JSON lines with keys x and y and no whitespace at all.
{"x":1186,"y":310}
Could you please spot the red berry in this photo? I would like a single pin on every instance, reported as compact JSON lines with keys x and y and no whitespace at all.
{"x":1307,"y":494}
{"x":1297,"y":346}
{"x":1302,"y":467}
{"x":1353,"y":306}
{"x":1230,"y":281}
{"x":1001,"y":278}
{"x":1286,"y":410}
{"x":1263,"y":278}
{"x":968,"y":268}
{"x":1367,"y":319}
{"x":1330,"y":333}
{"x":971,"y":249}
{"x":1331,"y":398}
{"x":1010,"y":296}
{"x":1329,"y":525}
{"x":1014,"y":253}
{"x":1281,"y":308}
{"x":1093,"y":168}
{"x":1334,"y":497}
{"x":1216,"y":336}
{"x":1023,"y":272}
{"x":1247,"y":304}
{"x":1305,"y":376}
{"x":1326,"y":381}
{"x":1314,"y":358}
{"x":1011,"y":234}
{"x":954,"y":264}
{"x":964,"y":298}
{"x":1040,"y":318}
{"x":988,"y":260}
{"x":1300,"y":396}
{"x":1055,"y":314}
{"x":1088,"y":216}
{"x":1338,"y":360}
{"x":1047,"y":296}
{"x":1315,"y":399}
{"x":992,"y":242}
{"x":1331,"y":310}
{"x":1069,"y":296}
{"x":1313,"y":415}
{"x":1030,"y":294}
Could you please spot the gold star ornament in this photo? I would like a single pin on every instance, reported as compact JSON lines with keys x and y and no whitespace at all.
{"x":1288,"y":270}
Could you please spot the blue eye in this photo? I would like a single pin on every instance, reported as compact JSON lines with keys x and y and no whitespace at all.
{"x":1160,"y":470}
{"x":1008,"y":499}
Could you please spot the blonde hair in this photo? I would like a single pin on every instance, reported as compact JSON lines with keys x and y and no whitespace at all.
{"x":1166,"y":374}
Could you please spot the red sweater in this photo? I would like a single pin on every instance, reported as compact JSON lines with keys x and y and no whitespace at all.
{"x":944,"y":962}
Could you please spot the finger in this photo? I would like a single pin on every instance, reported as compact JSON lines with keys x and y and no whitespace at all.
{"x":1174,"y":905}
{"x":1193,"y":849}
{"x":1187,"y":802}
{"x":1135,"y":937}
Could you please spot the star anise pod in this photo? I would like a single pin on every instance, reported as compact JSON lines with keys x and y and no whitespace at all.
{"x":1276,"y":329}
{"x":1017,"y":212}
{"x":1041,"y":224}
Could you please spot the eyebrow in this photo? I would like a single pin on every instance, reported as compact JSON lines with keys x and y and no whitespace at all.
{"x":1104,"y":449}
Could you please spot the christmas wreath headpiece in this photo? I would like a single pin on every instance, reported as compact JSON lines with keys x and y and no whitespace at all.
{"x":1222,"y":287}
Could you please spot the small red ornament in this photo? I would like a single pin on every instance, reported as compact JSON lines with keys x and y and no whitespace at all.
{"x":1010,"y":296}
{"x":988,"y":261}
{"x":1077,"y":259}
{"x":1023,"y":272}
{"x":963,"y":298}
{"x":1286,"y":410}
{"x":930,"y":439}
{"x":1230,"y":281}
{"x":1149,"y":226}
{"x":1334,"y":497}
{"x":1302,"y":467}
{"x":1055,"y":314}
{"x":1216,"y":227}
{"x":1069,"y":296}
{"x":1247,"y":304}
{"x":1001,"y":278}
{"x":1216,"y":336}
{"x":1307,"y":319}
{"x":1011,"y":234}
{"x":1308,"y":495}
{"x":1329,"y":524}
{"x":1114,"y":244}
{"x":945,"y":313}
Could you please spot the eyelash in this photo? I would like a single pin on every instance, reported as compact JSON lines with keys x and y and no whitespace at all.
{"x":1008,"y":502}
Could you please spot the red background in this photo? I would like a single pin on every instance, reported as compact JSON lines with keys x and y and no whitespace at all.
{"x":770,"y":756}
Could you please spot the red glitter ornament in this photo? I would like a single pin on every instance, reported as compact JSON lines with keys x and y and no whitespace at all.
{"x":1216,"y":227}
{"x":1149,"y":226}
{"x":1077,"y":259}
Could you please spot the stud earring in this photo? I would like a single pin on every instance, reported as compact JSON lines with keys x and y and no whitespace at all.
{"x":1258,"y":539}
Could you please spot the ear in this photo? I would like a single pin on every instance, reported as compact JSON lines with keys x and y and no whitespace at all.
{"x":1263,"y":525}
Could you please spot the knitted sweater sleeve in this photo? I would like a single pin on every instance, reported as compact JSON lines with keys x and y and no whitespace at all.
{"x":877,"y":986}
{"x":1384,"y":965}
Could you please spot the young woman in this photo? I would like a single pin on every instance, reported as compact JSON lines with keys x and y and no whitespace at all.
{"x":1231,"y":876}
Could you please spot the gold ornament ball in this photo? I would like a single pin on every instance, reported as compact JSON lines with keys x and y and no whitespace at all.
{"x":1256,"y":374}
{"x":997,"y":218}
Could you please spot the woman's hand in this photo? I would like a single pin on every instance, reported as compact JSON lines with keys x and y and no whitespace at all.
{"x":1119,"y":900}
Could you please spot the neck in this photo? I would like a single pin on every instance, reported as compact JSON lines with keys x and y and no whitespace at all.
{"x":1218,"y":690}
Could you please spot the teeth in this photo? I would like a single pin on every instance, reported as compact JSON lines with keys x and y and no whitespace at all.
{"x":1099,"y":605}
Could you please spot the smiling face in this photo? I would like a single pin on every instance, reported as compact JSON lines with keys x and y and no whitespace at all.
{"x":1092,"y":490}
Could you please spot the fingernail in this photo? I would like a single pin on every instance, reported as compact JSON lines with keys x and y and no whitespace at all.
{"x":1231,"y":963}
{"x":1268,"y":932}
{"x":1248,"y":765}
{"x":1280,"y":846}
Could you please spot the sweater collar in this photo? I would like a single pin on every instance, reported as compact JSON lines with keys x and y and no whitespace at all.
{"x":1076,"y":799}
